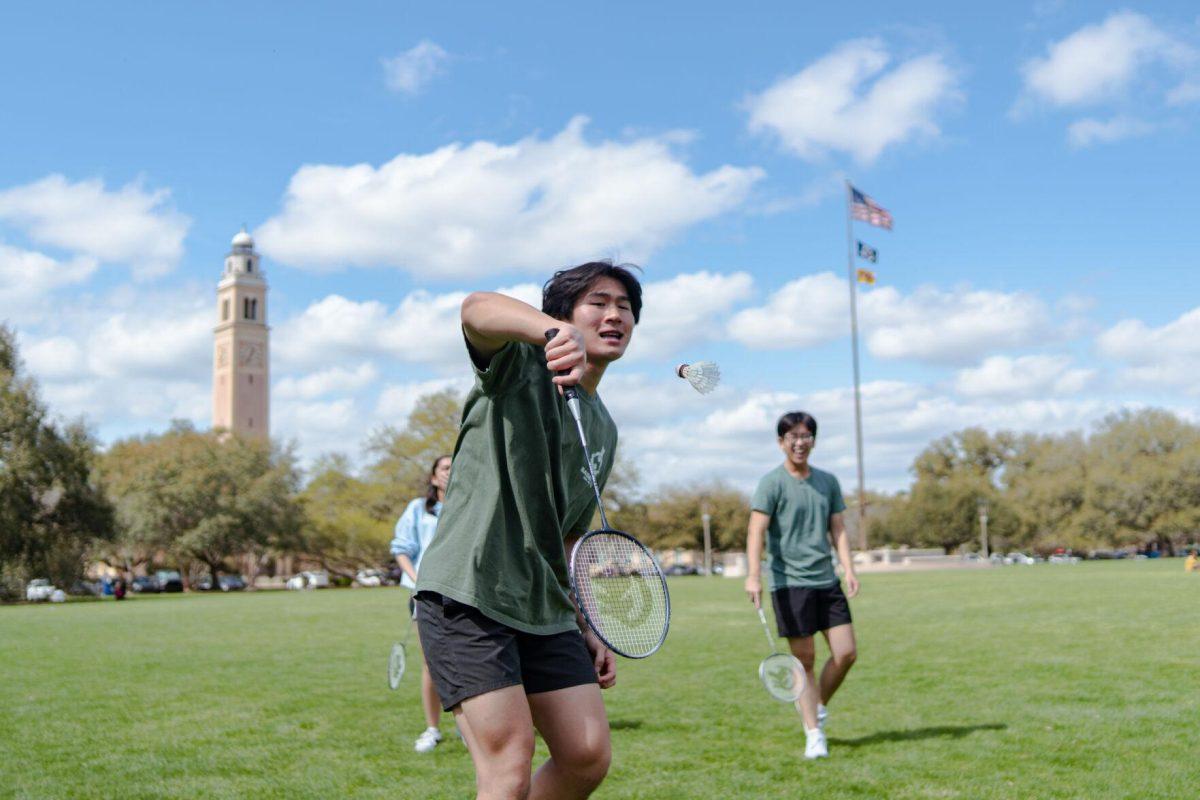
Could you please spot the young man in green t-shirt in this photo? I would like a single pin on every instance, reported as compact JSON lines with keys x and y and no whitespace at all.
{"x":797,"y":509}
{"x":503,"y":640}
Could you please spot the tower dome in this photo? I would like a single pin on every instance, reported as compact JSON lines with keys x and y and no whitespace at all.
{"x":242,"y":239}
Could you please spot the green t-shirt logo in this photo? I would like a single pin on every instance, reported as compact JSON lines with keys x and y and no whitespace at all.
{"x":597,"y":466}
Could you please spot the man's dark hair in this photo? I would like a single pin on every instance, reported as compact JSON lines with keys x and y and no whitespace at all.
{"x":564,"y":289}
{"x":793,"y":418}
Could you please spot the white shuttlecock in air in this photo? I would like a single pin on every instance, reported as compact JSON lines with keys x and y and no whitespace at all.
{"x":703,"y":375}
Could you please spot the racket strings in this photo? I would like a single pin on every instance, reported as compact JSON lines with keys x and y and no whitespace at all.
{"x":621,"y":591}
{"x":782,"y":676}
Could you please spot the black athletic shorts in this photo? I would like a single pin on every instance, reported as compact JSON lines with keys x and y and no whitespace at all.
{"x":805,"y":611}
{"x":470,"y":654}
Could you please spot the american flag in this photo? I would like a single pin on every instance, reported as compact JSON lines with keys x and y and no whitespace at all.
{"x":866,"y":209}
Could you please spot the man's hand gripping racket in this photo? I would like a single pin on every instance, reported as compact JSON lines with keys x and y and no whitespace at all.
{"x":618,"y":586}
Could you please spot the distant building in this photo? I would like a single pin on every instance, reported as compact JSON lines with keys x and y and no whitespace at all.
{"x":241,"y":356}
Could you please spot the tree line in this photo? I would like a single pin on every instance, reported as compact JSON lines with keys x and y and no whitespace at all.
{"x":1134,"y":482}
{"x":206,"y":501}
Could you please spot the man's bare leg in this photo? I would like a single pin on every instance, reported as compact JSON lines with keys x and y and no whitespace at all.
{"x":805,"y":650}
{"x":574,"y":725}
{"x":843,"y":651}
{"x":498,"y":730}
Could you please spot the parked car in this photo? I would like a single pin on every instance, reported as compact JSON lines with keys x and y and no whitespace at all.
{"x":93,"y":588}
{"x":369,"y":577}
{"x":1019,"y":558}
{"x":1063,"y":558}
{"x":226,"y":583}
{"x":232,"y":583}
{"x":309,"y":579}
{"x":145,"y":584}
{"x":39,"y":589}
{"x":169,"y":580}
{"x":680,"y":569}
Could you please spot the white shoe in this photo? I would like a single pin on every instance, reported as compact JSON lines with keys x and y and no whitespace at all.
{"x":822,"y":715}
{"x":429,"y":739}
{"x":815,"y":745}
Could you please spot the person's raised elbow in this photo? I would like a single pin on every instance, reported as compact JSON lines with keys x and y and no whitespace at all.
{"x":471,"y":305}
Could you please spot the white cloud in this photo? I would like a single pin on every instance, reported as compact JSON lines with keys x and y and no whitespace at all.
{"x":1166,"y":356}
{"x":151,"y":343}
{"x":397,"y":400}
{"x":412,"y":70}
{"x":1023,"y":377}
{"x":1088,"y":131}
{"x":129,"y":225}
{"x":56,"y":358}
{"x":686,"y":311}
{"x":320,"y":426}
{"x":1100,"y":61}
{"x":950,"y":327}
{"x":1185,"y":93}
{"x":732,"y":436}
{"x":27,"y":277}
{"x":805,"y":312}
{"x":928,"y":325}
{"x":846,"y":102}
{"x":424,"y":328}
{"x":335,"y":380}
{"x":131,"y":360}
{"x":480,"y":209}
{"x":136,"y":405}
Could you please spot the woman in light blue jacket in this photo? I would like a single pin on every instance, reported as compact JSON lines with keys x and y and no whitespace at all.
{"x":414,"y":530}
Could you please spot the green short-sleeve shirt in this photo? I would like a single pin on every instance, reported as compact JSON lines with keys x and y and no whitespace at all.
{"x":798,"y":548}
{"x":518,"y":487}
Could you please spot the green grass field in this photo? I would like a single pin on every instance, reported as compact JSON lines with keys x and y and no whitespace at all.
{"x":1023,"y":682}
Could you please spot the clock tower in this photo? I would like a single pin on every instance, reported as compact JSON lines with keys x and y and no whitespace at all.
{"x":241,"y":367}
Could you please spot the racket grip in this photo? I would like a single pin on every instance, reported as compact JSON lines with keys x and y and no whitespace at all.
{"x":568,"y":391}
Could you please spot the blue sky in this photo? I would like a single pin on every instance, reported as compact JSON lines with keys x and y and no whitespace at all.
{"x":1039,"y":162}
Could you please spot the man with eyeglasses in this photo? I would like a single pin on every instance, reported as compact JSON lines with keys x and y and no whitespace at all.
{"x":797,"y":509}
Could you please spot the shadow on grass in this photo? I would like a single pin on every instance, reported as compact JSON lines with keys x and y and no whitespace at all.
{"x":624,"y":724}
{"x":916,"y":734}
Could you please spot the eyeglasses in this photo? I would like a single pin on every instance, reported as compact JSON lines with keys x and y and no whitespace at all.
{"x":803,"y":438}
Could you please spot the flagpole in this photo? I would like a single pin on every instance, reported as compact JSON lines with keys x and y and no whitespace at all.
{"x":858,"y":437}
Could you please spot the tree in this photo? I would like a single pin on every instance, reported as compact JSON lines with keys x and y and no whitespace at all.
{"x":50,"y":507}
{"x":953,"y":474}
{"x":404,"y":456}
{"x":203,"y":496}
{"x":342,"y":528}
{"x":1047,"y":482}
{"x":1144,"y":479}
{"x":674,"y":517}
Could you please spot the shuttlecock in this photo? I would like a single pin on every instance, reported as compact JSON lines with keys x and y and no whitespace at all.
{"x":703,"y":375}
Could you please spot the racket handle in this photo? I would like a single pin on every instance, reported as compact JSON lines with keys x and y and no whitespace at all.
{"x":568,"y":391}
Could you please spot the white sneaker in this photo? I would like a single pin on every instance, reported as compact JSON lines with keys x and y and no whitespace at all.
{"x":822,"y":715}
{"x":429,"y":739}
{"x":815,"y":745}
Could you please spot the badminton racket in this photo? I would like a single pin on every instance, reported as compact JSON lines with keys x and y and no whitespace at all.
{"x":781,"y":674}
{"x":398,"y":657}
{"x":617,"y":583}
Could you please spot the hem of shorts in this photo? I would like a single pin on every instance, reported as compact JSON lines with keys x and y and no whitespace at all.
{"x":475,"y":691}
{"x":498,"y":616}
{"x":783,"y":635}
{"x":581,"y":682}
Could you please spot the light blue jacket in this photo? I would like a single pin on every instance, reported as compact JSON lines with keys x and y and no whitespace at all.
{"x":414,"y":532}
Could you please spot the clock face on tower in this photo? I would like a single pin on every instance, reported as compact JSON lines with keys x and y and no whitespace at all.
{"x":250,"y":354}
